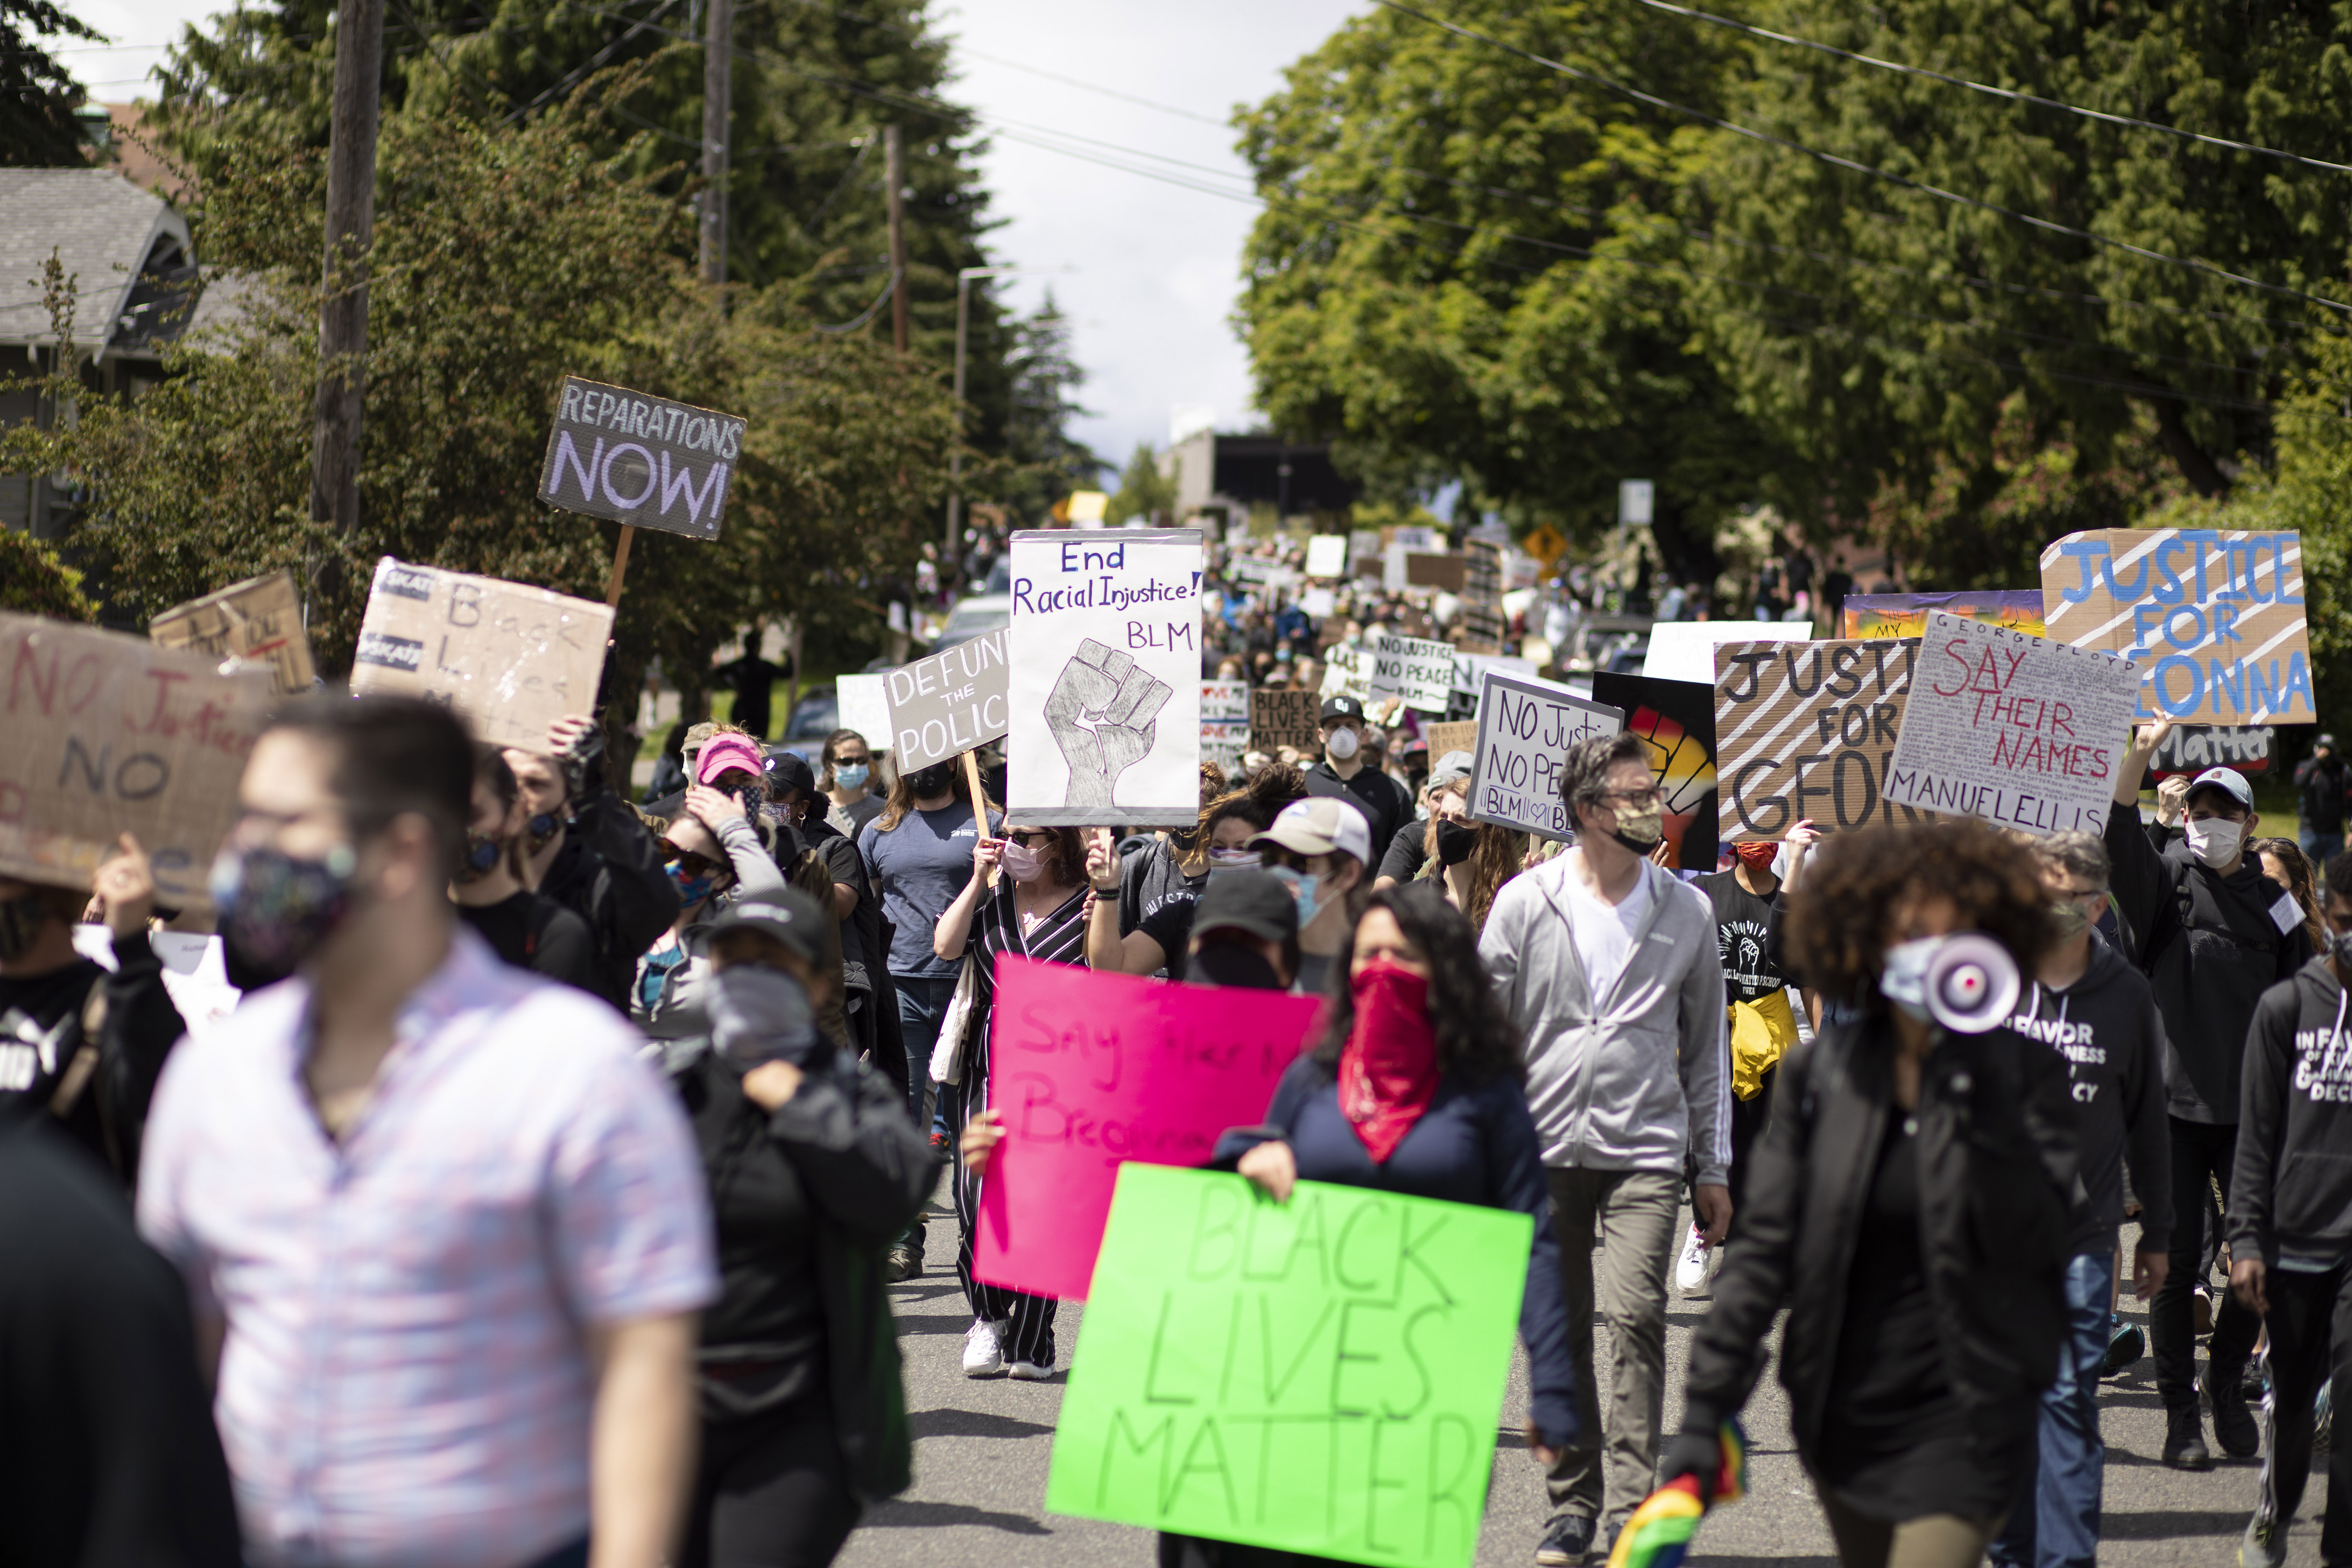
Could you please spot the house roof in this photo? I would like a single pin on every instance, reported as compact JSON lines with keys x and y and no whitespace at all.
{"x":106,"y":231}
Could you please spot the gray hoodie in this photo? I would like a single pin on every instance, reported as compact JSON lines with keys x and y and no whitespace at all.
{"x":1635,"y":1082}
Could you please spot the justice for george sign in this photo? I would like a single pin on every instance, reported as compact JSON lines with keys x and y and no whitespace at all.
{"x":1106,"y":690}
{"x":1418,"y":670}
{"x":1525,"y":728}
{"x":2018,"y":729}
{"x":511,"y":657}
{"x":109,"y":734}
{"x":1323,"y":1376}
{"x":645,"y":460}
{"x":2214,"y":618}
{"x":1804,"y":731}
{"x":1092,"y":1070}
{"x":949,"y":702}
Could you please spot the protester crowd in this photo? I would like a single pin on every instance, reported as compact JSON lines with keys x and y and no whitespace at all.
{"x":537,"y":1205}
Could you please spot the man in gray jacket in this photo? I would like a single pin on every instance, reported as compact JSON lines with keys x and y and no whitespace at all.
{"x":1607,"y":965}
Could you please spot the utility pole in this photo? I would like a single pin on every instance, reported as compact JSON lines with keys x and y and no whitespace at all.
{"x":718,"y":78}
{"x":894,"y":147}
{"x":351,"y":228}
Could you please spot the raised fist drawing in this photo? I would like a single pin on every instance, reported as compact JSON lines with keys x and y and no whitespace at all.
{"x":1104,"y":713}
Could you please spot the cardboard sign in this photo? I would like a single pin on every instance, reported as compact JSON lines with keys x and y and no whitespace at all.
{"x":1090,"y":1070}
{"x":1346,"y":673}
{"x":1225,"y":722}
{"x":1106,"y":691}
{"x":2021,"y":731}
{"x":621,"y":455}
{"x":1323,"y":1376}
{"x":2192,"y":747}
{"x":109,"y":734}
{"x":1449,"y":572}
{"x":1417,"y":669}
{"x":1446,"y":739}
{"x":1483,"y":623}
{"x":512,"y":659}
{"x":1677,"y":719}
{"x":1327,"y":555}
{"x":2213,"y":618}
{"x":1470,"y":669}
{"x":258,"y":620}
{"x":1882,"y":615}
{"x":948,"y":702}
{"x":1280,"y":718}
{"x":1686,"y":650}
{"x":1525,"y":728}
{"x":862,"y":702}
{"x":1804,"y":732}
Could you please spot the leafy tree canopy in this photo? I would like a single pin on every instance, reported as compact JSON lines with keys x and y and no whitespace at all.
{"x":38,"y":93}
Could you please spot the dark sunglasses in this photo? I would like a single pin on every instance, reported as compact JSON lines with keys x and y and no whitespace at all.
{"x":1030,"y":838}
{"x":690,"y":865}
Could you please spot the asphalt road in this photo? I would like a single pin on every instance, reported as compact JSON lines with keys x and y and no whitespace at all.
{"x":982,"y":1446}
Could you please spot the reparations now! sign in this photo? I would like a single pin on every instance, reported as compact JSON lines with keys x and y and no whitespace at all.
{"x":643,"y":460}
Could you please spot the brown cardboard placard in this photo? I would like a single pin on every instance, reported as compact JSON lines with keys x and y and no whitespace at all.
{"x":1281,"y":717}
{"x":109,"y":734}
{"x":1427,"y":571}
{"x":1459,"y":736}
{"x":2214,"y":617}
{"x":512,"y":659}
{"x":1804,"y":731}
{"x":258,"y":620}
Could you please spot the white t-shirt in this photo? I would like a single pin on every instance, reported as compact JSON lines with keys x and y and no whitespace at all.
{"x":1604,"y":932}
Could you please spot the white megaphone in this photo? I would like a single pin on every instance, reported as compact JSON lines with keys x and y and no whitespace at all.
{"x":1970,"y":984}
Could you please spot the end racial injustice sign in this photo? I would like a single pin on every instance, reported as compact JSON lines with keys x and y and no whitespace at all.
{"x":643,"y":460}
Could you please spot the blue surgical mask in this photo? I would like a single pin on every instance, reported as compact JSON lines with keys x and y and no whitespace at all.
{"x":851,"y":776}
{"x":1302,"y":885}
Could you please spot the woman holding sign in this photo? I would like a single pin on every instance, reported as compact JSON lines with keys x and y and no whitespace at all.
{"x":1036,"y":909}
{"x":1414,"y":1088}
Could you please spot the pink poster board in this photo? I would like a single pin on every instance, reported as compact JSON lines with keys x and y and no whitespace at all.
{"x":1090,"y":1070}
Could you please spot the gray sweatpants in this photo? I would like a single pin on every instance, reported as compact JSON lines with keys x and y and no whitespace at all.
{"x":1634,"y":1212}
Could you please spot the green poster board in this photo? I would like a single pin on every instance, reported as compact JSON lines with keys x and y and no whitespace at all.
{"x":1323,"y":1376}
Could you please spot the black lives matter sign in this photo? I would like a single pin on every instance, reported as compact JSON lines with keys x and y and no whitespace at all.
{"x":643,"y":460}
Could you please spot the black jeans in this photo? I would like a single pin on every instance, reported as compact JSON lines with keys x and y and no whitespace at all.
{"x":2201,"y":1151}
{"x":2307,"y":1312}
{"x":1748,"y":1120}
{"x":768,"y":1491}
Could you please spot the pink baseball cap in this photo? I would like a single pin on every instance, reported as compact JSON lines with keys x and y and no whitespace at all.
{"x":729,"y":753}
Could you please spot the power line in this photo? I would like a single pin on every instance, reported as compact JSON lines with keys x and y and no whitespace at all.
{"x":2014,"y":97}
{"x":1840,"y":161}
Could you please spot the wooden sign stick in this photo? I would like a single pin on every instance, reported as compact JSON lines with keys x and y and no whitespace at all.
{"x":620,"y":566}
{"x":979,"y":798}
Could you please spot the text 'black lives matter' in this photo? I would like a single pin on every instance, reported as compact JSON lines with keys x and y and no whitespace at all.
{"x":621,"y":455}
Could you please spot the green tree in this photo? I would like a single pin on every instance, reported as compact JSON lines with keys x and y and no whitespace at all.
{"x":35,"y":581}
{"x":38,"y":93}
{"x":1041,"y":461}
{"x":1143,"y":491}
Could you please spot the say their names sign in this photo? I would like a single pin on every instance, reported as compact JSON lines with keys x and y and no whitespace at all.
{"x":1418,"y":670}
{"x":1090,"y":1070}
{"x":2214,"y":618}
{"x":2019,"y":730}
{"x":258,"y":620}
{"x":1804,"y":732}
{"x":647,"y":461}
{"x":949,"y":701}
{"x":511,"y":657}
{"x":1525,"y":728}
{"x":1323,"y":1376}
{"x":109,"y":734}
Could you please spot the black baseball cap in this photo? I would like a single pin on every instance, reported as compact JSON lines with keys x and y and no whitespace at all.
{"x":1342,"y":707}
{"x":1248,"y":901}
{"x":790,"y":771}
{"x":788,"y":915}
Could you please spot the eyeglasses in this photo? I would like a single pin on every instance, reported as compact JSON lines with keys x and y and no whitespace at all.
{"x":690,"y":865}
{"x":1030,"y":838}
{"x":2080,"y":892}
{"x":1653,"y":795}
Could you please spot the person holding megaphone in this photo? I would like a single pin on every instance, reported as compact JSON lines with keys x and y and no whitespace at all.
{"x":1910,"y":1202}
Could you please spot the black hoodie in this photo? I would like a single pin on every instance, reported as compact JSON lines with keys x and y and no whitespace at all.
{"x":2291,"y":1191}
{"x":2106,"y":1027}
{"x":2210,"y":945}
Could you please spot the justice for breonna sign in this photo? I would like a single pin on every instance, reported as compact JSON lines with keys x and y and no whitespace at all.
{"x":636,"y":459}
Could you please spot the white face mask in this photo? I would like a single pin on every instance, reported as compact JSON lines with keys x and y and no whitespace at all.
{"x":2214,"y":840}
{"x":1341,"y":744}
{"x":1023,"y":863}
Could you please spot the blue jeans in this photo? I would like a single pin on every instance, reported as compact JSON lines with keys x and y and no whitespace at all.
{"x":922,"y":1002}
{"x":2056,"y":1523}
{"x":2321,"y":847}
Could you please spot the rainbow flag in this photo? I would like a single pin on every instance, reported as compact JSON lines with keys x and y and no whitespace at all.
{"x":1660,"y":1532}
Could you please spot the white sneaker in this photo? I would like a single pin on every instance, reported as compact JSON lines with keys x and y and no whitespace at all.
{"x":1690,"y":1271}
{"x":983,"y":1348}
{"x":1029,"y":1370}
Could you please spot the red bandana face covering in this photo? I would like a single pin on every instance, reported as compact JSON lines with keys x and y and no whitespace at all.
{"x":1388,"y":1069}
{"x":1757,"y":854}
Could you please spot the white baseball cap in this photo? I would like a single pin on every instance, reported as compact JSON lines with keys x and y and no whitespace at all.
{"x":1321,"y":825}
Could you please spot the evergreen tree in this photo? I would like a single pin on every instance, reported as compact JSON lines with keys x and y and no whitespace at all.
{"x":38,"y":95}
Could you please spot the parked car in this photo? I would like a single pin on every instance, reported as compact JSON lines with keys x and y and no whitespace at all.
{"x":815,"y":715}
{"x":973,"y":617}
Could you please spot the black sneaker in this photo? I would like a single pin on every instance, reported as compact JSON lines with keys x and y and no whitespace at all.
{"x":903,"y":1263}
{"x":2233,"y":1425}
{"x":1566,"y":1543}
{"x":2184,"y":1439}
{"x":2126,"y":1344}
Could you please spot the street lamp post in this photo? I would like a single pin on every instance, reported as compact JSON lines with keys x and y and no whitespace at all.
{"x":955,"y":455}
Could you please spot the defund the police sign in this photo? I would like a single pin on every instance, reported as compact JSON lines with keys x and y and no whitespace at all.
{"x":643,"y":460}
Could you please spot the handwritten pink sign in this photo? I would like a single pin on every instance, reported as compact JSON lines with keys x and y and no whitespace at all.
{"x":1090,"y":1070}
